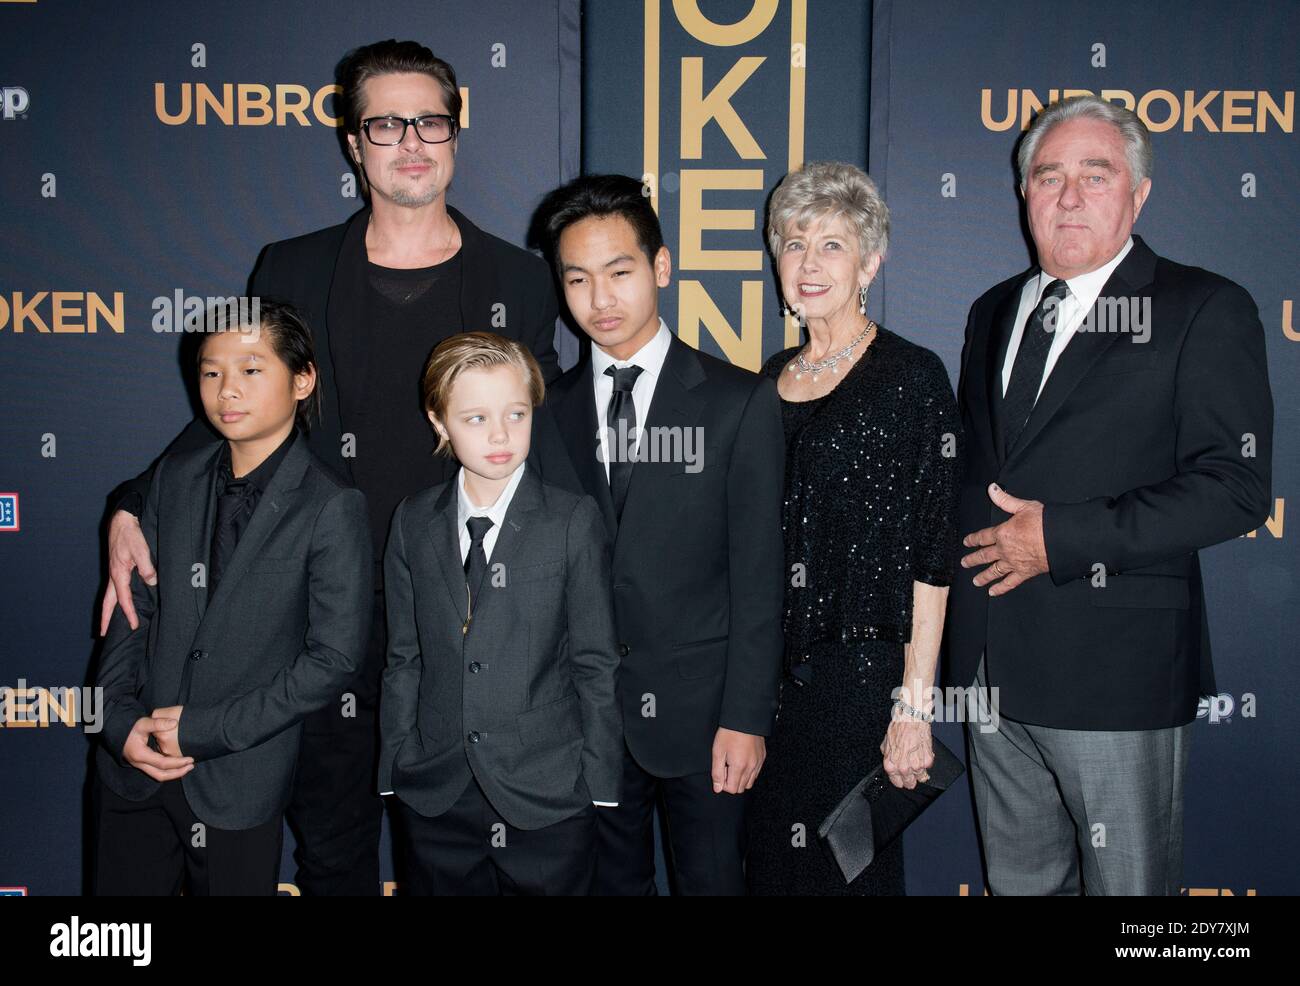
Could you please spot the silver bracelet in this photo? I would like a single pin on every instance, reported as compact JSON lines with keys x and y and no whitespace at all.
{"x":912,"y":713}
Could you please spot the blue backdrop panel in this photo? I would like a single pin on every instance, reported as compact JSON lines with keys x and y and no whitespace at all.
{"x":108,"y":207}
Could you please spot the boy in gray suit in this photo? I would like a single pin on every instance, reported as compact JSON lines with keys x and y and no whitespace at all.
{"x":258,"y":616}
{"x":501,"y":733}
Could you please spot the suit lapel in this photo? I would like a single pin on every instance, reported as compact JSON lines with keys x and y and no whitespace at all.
{"x":275,"y":504}
{"x":203,"y":512}
{"x":515,"y":527}
{"x":445,"y":534}
{"x":995,"y":353}
{"x":576,"y":415}
{"x":675,"y":404}
{"x":476,"y":291}
{"x":444,"y":530}
{"x":1085,"y":348}
{"x":345,"y":321}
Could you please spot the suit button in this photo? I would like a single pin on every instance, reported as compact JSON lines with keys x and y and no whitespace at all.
{"x":623,"y":649}
{"x":195,"y":655}
{"x":472,"y":737}
{"x":475,"y":667}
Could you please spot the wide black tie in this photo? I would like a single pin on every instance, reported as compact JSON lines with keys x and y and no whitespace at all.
{"x":1027,"y":371}
{"x":621,"y":408}
{"x":232,"y":502}
{"x":476,"y":557}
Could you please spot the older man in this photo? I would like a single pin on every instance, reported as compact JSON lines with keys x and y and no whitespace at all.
{"x":1118,"y":417}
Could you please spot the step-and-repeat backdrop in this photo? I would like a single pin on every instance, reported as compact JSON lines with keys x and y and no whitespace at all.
{"x":148,"y":154}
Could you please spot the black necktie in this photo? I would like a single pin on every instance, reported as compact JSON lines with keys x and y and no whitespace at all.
{"x":225,"y":533}
{"x":621,"y":408}
{"x":476,"y":557}
{"x":1031,"y":358}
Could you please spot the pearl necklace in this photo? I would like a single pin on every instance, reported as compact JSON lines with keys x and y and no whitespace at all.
{"x":800,"y":366}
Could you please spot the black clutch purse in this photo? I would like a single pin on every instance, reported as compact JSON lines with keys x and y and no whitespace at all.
{"x":874,"y":813}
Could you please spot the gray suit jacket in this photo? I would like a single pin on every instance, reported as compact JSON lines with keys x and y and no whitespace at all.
{"x":526,"y":699}
{"x":281,"y":637}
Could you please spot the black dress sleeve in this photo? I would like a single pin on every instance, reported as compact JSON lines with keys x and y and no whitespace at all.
{"x":936,"y":477}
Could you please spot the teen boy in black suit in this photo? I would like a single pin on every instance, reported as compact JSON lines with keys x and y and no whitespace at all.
{"x":698,"y":561}
{"x":259,"y":616}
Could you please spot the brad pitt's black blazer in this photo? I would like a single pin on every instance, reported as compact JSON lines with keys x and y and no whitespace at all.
{"x":1141,"y":453}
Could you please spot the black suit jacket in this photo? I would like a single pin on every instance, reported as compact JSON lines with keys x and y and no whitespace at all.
{"x":1136,"y":450}
{"x":280,"y":638}
{"x":506,"y":290}
{"x":698,"y":558}
{"x":526,"y":699}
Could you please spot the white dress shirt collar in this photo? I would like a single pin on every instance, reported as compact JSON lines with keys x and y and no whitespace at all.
{"x":649,"y":357}
{"x":1085,"y":287}
{"x":1084,"y":291}
{"x":496,"y":512}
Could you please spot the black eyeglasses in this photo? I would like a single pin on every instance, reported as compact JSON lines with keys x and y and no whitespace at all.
{"x":385,"y":131}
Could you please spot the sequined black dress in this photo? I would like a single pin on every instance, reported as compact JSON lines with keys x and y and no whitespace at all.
{"x":870,"y":496}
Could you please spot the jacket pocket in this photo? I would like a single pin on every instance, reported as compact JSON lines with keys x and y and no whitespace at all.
{"x":533,"y":573}
{"x":702,"y":658}
{"x":555,"y":722}
{"x":1133,"y":360}
{"x":271,"y":565}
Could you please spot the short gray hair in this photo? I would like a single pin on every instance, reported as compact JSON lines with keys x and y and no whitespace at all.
{"x":826,"y":189}
{"x":1134,"y":133}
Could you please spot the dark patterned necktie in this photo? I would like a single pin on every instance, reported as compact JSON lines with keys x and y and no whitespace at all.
{"x":231,"y":504}
{"x":1027,"y":371}
{"x":621,"y":408}
{"x":476,"y":557}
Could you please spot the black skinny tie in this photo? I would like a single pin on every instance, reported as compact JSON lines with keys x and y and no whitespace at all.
{"x":621,"y":408}
{"x":476,"y":557}
{"x":1027,"y":371}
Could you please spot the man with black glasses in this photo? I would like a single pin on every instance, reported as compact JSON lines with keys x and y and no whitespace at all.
{"x":379,"y":292}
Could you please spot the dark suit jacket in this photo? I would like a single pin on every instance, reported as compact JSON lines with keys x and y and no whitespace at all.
{"x":526,"y":699}
{"x":698,"y":558}
{"x":1136,"y":450}
{"x":281,"y":637}
{"x":322,"y":274}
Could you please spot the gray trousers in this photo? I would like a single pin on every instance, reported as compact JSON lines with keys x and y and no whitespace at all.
{"x":1064,"y":811}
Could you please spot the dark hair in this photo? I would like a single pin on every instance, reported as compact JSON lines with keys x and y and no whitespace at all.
{"x":289,"y":336}
{"x":386,"y":58}
{"x":600,"y":195}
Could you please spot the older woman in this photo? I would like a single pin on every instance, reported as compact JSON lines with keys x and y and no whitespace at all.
{"x":871,"y":439}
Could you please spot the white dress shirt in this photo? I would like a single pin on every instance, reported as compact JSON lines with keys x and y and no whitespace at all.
{"x":650,"y":358}
{"x":497,"y":514}
{"x":1074,"y":308}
